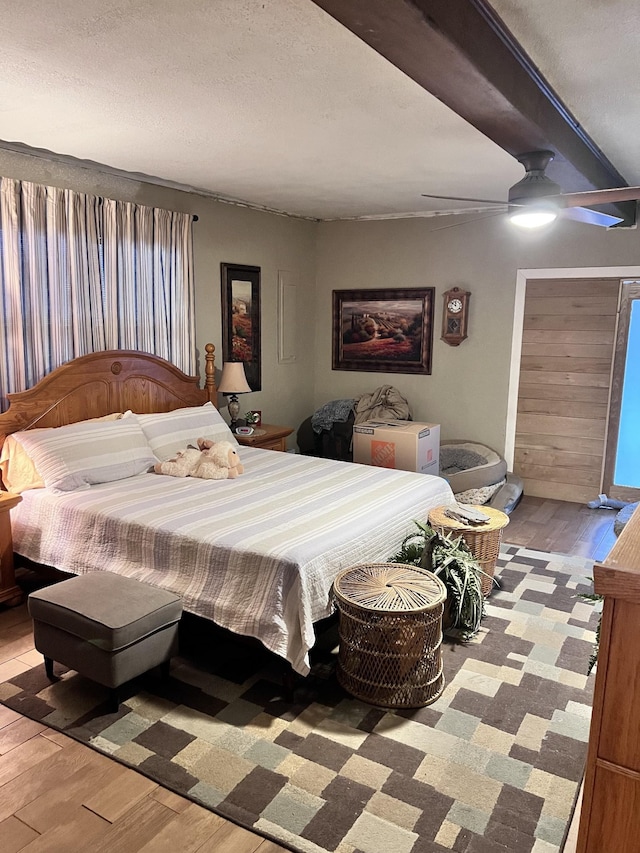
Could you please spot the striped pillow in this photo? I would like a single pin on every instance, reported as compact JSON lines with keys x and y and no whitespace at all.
{"x":19,"y":472}
{"x":83,"y":454}
{"x":169,"y":432}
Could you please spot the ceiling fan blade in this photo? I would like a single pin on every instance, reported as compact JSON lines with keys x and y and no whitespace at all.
{"x":608,"y":196}
{"x":459,"y":198}
{"x":591,"y":217}
{"x":488,"y":215}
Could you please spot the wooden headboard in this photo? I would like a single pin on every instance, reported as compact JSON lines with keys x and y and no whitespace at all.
{"x":104,"y":382}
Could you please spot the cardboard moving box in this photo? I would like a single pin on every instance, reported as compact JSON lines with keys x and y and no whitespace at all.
{"x":407,"y":445}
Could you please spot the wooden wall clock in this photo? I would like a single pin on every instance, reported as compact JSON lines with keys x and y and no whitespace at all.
{"x":455,"y":316}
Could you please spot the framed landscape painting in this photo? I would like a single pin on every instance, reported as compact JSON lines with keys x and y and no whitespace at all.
{"x":388,"y":331}
{"x":241,"y":319}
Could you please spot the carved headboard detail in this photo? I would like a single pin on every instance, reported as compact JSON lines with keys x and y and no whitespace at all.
{"x":104,"y":382}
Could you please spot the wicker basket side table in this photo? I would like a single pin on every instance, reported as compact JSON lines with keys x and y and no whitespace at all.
{"x":483,"y":539}
{"x":390,"y":634}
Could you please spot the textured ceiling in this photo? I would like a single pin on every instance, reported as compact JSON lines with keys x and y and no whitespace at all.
{"x":588,"y":52}
{"x":273,"y":103}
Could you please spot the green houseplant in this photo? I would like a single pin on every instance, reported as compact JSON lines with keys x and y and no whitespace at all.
{"x":452,"y":561}
{"x":251,"y":418}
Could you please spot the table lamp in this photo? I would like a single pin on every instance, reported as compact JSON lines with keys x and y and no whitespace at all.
{"x":233,"y":382}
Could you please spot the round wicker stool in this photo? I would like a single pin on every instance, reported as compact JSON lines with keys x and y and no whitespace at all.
{"x":390,"y":634}
{"x":483,"y":539}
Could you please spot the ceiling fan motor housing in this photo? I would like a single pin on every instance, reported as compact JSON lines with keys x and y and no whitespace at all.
{"x":536,"y":200}
{"x":535,"y":183}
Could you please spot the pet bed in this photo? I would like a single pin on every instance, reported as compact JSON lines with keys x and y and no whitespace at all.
{"x":623,"y":517}
{"x":470,"y":465}
{"x":477,"y":474}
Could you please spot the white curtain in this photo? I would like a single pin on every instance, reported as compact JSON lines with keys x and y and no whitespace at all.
{"x":81,"y":274}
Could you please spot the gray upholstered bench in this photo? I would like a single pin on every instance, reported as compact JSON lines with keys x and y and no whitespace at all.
{"x":107,"y":627}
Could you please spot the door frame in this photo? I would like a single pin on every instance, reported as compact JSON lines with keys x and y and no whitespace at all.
{"x":522,"y":277}
{"x":627,"y":295}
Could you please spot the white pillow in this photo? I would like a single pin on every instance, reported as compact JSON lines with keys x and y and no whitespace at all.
{"x":168,"y":432}
{"x":79,"y":455}
{"x":19,"y":472}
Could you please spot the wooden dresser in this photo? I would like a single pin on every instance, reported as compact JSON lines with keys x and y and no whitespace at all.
{"x":610,"y":816}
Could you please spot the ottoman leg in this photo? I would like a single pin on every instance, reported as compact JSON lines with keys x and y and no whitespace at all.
{"x":165,"y":669}
{"x":48,"y":668}
{"x":114,"y":700}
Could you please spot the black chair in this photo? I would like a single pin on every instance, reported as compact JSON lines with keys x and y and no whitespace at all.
{"x":334,"y":443}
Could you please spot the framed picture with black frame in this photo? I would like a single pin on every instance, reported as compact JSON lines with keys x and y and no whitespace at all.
{"x":386,"y":331}
{"x":241,"y":319}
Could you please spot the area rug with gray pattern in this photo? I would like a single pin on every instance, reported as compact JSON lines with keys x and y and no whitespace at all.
{"x":493,"y":765}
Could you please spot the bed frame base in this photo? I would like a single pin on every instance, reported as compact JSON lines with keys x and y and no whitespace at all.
{"x":12,"y":596}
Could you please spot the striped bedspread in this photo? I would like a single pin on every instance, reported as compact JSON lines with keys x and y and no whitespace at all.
{"x":256,"y":555}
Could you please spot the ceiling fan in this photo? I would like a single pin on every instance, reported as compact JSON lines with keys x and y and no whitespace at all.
{"x":537,"y":200}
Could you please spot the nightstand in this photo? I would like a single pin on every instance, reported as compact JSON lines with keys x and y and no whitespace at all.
{"x":9,"y":591}
{"x":266,"y":437}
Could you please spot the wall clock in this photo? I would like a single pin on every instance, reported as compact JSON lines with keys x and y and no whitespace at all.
{"x":455,"y":316}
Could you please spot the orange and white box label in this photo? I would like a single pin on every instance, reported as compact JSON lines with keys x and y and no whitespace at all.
{"x":383,"y":454}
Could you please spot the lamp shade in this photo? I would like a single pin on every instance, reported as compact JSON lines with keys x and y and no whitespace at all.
{"x":233,"y":379}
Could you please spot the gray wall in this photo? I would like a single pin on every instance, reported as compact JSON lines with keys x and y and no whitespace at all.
{"x":224,"y":233}
{"x":468,"y":388}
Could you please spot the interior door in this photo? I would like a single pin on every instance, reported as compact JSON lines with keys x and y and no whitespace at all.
{"x":622,"y":457}
{"x":565,"y":371}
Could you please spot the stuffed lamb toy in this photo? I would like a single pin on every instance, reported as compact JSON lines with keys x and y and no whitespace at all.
{"x":211,"y":460}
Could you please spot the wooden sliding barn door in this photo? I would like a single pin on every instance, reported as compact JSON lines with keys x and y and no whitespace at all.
{"x":565,"y":374}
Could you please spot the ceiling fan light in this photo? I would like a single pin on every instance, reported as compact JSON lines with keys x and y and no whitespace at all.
{"x":534,"y":217}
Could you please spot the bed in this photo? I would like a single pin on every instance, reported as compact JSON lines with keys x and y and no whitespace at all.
{"x":256,"y":555}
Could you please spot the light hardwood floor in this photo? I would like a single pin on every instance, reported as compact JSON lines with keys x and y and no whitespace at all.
{"x":58,"y":795}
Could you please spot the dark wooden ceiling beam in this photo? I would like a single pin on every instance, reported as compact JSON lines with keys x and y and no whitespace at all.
{"x":461,"y":52}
